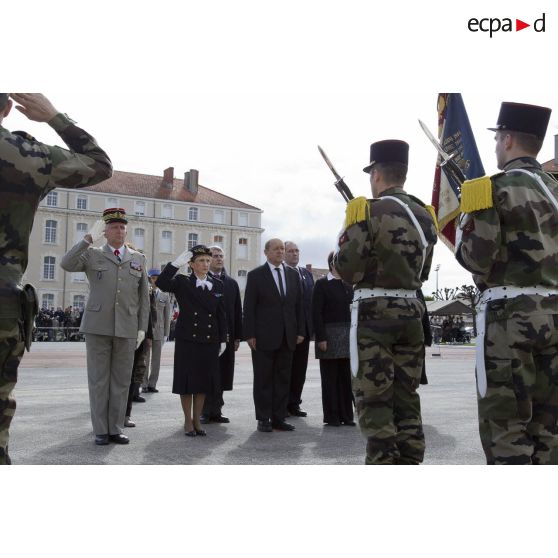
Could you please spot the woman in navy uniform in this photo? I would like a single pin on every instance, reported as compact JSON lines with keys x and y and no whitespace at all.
{"x":201,"y":332}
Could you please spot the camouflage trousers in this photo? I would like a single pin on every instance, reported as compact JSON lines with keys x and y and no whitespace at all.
{"x":518,"y":417}
{"x":11,"y":352}
{"x":391,"y":353}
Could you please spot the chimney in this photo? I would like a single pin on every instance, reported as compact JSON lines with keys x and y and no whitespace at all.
{"x":191,"y":181}
{"x":556,"y":149}
{"x":168,"y":178}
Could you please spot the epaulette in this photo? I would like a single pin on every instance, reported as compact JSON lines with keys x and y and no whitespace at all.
{"x":24,"y":135}
{"x":476,"y":194}
{"x":357,"y":210}
{"x":432,"y":212}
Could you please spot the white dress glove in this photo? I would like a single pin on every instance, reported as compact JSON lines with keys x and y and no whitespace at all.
{"x":184,"y":258}
{"x":141,"y":337}
{"x":222,"y":348}
{"x":97,"y":230}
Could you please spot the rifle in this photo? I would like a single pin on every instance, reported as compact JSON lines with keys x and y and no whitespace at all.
{"x":348,"y":196}
{"x":339,"y":181}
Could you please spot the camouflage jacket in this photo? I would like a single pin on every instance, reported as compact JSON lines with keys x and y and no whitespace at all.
{"x":386,"y":250}
{"x":28,"y":171}
{"x":515,"y":242}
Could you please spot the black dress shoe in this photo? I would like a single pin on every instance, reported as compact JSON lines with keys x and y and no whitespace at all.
{"x":102,"y":439}
{"x":138,"y":399}
{"x":205,"y":419}
{"x":152,"y":389}
{"x":282,"y":425}
{"x":297,"y":412}
{"x":348,"y":422}
{"x":220,"y":418}
{"x":119,"y":439}
{"x":265,"y":426}
{"x":333,"y":423}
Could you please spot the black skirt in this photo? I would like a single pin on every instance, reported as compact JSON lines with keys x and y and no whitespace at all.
{"x":196,"y":367}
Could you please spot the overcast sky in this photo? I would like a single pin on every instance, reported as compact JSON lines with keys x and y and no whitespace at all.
{"x":243,"y":91}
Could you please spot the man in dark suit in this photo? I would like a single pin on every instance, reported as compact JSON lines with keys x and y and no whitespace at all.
{"x":300,"y":356}
{"x":273,"y":326}
{"x":233,"y":308}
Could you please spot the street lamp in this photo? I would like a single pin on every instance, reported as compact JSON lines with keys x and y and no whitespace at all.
{"x":436,"y":269}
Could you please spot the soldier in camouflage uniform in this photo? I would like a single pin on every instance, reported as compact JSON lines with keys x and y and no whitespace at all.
{"x":509,"y":241}
{"x":385,"y":251}
{"x":28,"y":171}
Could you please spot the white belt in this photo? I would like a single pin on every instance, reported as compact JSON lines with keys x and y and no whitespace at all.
{"x":363,"y":294}
{"x":498,"y":293}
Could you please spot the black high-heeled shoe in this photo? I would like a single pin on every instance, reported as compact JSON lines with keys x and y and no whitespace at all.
{"x":191,"y":433}
{"x":200,"y":432}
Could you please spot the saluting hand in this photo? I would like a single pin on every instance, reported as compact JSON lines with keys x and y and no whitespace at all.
{"x":96,"y":232}
{"x":184,"y":258}
{"x":35,"y":106}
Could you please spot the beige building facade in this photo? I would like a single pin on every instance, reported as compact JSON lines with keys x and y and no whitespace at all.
{"x":165,"y":215}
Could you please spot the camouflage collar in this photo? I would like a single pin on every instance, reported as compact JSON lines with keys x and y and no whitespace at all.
{"x":522,"y":163}
{"x":393,"y":191}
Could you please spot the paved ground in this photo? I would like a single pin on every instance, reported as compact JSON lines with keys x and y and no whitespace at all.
{"x":52,"y":423}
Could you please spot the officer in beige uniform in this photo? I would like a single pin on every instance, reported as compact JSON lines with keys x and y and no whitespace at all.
{"x":114,"y":321}
{"x":162,"y":304}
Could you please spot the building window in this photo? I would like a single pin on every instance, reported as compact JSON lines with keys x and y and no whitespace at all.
{"x":81,"y":231}
{"x":219,"y":216}
{"x":50,"y":231}
{"x":242,"y":248}
{"x":166,"y":212}
{"x":192,"y":240}
{"x":166,"y":242}
{"x":79,"y":302}
{"x":49,"y":262}
{"x":218,"y":240}
{"x":52,"y":199}
{"x":78,"y":277}
{"x":242,"y":273}
{"x":243,"y":219}
{"x":139,"y":238}
{"x":140,"y":208}
{"x":193,"y":214}
{"x":111,"y":202}
{"x":47,"y":301}
{"x":81,"y":202}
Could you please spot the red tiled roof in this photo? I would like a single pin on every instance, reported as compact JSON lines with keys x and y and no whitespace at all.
{"x":550,"y":166}
{"x":148,"y":186}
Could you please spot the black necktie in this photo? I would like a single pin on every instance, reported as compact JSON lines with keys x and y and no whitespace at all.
{"x":281,"y":289}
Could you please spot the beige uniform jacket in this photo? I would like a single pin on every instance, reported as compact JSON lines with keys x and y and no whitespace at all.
{"x":118,"y":303}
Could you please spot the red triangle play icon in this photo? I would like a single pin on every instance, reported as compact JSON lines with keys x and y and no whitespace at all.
{"x":519,"y":25}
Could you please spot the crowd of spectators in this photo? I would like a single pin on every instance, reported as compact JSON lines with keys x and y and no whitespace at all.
{"x":58,"y":325}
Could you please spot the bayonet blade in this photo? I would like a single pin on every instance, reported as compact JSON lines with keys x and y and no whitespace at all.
{"x":329,"y":164}
{"x":434,"y":141}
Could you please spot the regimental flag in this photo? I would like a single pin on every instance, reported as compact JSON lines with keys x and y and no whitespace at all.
{"x":456,"y":138}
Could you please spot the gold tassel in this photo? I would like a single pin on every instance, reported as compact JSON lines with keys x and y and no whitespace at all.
{"x":476,"y":194}
{"x":432,"y":212}
{"x":357,"y":210}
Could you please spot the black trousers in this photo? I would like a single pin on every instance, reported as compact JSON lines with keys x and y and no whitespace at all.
{"x":213,"y":404}
{"x":272,"y":375}
{"x":337,"y":396}
{"x":298,"y":373}
{"x":138,"y":374}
